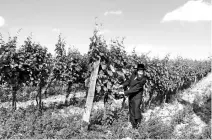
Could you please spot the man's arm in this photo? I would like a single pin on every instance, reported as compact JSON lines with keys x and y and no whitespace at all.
{"x":126,"y":83}
{"x":136,"y":88}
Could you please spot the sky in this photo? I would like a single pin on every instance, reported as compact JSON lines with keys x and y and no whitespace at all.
{"x":157,"y":27}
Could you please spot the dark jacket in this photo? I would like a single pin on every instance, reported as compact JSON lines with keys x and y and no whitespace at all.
{"x":134,"y":92}
{"x":135,"y":86}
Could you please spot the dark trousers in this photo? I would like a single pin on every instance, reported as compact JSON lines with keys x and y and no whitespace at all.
{"x":135,"y":112}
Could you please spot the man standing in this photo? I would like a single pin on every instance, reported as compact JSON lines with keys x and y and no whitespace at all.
{"x":134,"y":93}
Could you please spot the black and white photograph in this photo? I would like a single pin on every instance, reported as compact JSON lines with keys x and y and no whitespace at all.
{"x":105,"y":69}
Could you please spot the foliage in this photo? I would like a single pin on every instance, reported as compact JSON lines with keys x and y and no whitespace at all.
{"x":165,"y":77}
{"x":39,"y":64}
{"x":38,"y":61}
{"x":13,"y":72}
{"x":31,"y":64}
{"x":70,"y":67}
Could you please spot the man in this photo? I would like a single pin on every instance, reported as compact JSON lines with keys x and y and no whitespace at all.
{"x":134,"y":93}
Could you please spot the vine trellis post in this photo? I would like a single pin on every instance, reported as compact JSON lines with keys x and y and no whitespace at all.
{"x":91,"y":93}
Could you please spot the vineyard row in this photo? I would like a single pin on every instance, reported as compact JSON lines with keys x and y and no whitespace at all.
{"x":32,"y":65}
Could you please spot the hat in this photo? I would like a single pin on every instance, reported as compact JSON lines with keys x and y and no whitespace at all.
{"x":141,"y":67}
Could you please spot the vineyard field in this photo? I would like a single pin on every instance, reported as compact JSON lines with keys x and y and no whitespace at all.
{"x":44,"y":95}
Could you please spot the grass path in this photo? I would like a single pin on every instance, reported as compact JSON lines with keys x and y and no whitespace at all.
{"x":46,"y":101}
{"x":193,"y":109}
{"x":199,"y":92}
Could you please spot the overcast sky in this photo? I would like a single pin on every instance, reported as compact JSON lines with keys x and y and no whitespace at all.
{"x":179,"y":27}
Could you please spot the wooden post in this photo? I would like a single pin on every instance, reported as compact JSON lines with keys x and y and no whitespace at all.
{"x":91,"y":91}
